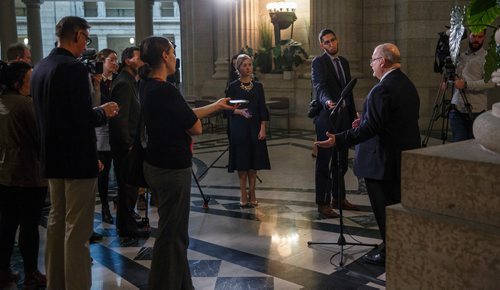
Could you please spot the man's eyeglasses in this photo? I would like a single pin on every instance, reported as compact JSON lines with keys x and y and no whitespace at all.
{"x":374,"y":59}
{"x":88,"y":40}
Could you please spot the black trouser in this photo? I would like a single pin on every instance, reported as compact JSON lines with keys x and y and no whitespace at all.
{"x":326,"y":170}
{"x":103,"y":178}
{"x":20,"y":206}
{"x":382,"y":193}
{"x":127,"y":197}
{"x":326,"y":164}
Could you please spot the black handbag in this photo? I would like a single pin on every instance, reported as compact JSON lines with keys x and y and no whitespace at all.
{"x":132,"y":163}
{"x":314,"y":109}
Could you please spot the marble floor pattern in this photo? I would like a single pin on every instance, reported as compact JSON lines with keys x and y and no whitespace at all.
{"x":260,"y":248}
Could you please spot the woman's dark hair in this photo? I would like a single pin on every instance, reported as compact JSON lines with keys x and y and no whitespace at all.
{"x":12,"y":74}
{"x":152,"y":49}
{"x":103,"y":54}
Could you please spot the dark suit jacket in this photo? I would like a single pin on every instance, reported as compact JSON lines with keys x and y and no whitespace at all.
{"x":389,"y":125}
{"x":327,"y":86}
{"x":123,"y":127}
{"x":60,"y":86}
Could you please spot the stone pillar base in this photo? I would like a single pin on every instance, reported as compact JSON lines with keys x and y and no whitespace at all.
{"x":446,"y":232}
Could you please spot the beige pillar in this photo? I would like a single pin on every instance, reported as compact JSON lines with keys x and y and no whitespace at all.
{"x":243,"y":25}
{"x":345,"y":18}
{"x":222,"y":40}
{"x":8,"y":31}
{"x":34,"y":29}
{"x":143,"y":19}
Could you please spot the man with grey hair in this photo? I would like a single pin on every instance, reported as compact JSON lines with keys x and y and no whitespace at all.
{"x":388,"y":125}
{"x":18,"y":52}
{"x":61,"y":90}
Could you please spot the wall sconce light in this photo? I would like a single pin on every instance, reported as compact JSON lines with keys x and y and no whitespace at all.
{"x":26,"y":41}
{"x":132,"y":40}
{"x":282,"y":16}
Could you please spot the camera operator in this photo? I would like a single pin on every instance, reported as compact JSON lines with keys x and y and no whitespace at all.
{"x":471,"y":82}
{"x":61,"y":90}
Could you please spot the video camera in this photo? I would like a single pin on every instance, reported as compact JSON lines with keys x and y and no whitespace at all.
{"x":442,"y":58}
{"x":89,"y":59}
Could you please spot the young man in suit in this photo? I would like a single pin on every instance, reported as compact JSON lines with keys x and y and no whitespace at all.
{"x":388,"y":125}
{"x":330,"y":74}
{"x":61,"y":90}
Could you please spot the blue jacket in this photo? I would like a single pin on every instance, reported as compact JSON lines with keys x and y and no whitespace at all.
{"x":327,"y":86}
{"x":389,"y":125}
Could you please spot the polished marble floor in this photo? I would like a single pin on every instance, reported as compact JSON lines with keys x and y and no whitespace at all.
{"x":260,"y":248}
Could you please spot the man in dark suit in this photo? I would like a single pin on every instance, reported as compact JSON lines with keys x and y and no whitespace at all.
{"x":388,"y":125}
{"x":61,"y":90}
{"x":330,"y":74}
{"x":122,"y":130}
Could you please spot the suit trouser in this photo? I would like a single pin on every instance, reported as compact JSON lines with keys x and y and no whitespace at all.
{"x":382,"y":193}
{"x":326,"y":163}
{"x":326,"y":170}
{"x":103,"y":178}
{"x":20,"y":207}
{"x":170,"y":267}
{"x":127,"y":197}
{"x":69,"y":226}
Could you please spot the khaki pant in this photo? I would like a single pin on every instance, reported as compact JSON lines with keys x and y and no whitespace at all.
{"x":69,"y":227}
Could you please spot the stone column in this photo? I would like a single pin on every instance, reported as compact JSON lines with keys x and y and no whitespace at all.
{"x":243,"y":25}
{"x":143,"y":19}
{"x":8,"y":31}
{"x":101,"y":9}
{"x":34,"y":29}
{"x":102,"y":41}
{"x":345,"y":18}
{"x":222,"y":62}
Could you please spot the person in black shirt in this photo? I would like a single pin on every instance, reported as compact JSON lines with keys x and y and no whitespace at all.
{"x":170,"y":123}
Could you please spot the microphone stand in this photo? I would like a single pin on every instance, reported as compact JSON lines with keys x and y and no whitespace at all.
{"x":335,"y":117}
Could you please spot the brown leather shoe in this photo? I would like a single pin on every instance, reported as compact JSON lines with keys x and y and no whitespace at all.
{"x":345,"y":205}
{"x":325,"y":211}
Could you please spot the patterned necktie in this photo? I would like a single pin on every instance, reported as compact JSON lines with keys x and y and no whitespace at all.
{"x":340,"y":73}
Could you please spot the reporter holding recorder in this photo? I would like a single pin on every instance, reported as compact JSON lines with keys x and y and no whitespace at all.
{"x":170,"y":123}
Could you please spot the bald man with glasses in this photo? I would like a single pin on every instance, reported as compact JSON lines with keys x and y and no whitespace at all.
{"x":388,"y":125}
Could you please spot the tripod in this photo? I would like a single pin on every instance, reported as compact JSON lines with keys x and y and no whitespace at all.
{"x":206,"y":199}
{"x":335,"y":118}
{"x":443,"y":106}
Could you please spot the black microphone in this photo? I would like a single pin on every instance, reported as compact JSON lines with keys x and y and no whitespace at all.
{"x":345,"y":92}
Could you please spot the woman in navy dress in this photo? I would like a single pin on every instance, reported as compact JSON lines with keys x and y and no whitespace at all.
{"x":247,"y":144}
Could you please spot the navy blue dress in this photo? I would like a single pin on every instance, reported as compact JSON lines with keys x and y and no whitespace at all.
{"x":246,"y":151}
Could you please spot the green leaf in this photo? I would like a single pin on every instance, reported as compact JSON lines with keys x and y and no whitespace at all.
{"x":492,"y":59}
{"x":481,"y":13}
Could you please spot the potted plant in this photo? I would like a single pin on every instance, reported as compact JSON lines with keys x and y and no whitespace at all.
{"x":481,"y":14}
{"x":263,"y":57}
{"x":287,"y":55}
